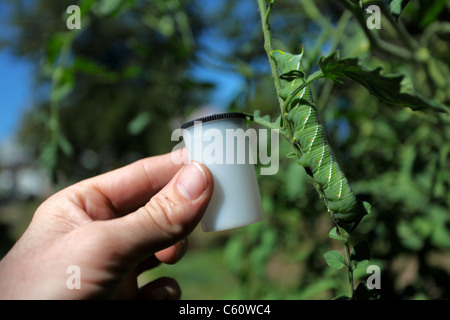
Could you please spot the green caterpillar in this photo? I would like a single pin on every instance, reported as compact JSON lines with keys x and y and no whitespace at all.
{"x":309,"y":137}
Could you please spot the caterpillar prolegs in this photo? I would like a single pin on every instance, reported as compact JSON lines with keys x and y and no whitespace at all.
{"x":309,"y":137}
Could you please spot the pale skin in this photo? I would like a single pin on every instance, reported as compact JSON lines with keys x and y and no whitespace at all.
{"x":113,"y":227}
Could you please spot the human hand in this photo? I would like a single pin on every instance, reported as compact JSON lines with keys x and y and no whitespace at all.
{"x":112,"y":227}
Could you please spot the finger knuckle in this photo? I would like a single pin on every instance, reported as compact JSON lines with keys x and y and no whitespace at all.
{"x":162,"y":210}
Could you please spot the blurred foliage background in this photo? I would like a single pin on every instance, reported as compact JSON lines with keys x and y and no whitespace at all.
{"x":113,"y":91}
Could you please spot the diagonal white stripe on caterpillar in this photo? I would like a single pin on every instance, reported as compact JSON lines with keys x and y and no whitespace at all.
{"x":309,"y":136}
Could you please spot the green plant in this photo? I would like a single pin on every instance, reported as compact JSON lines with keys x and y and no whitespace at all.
{"x":105,"y":75}
{"x":128,"y":72}
{"x":299,"y":123}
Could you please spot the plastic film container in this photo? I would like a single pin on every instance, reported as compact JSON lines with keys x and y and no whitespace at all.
{"x":221,"y":142}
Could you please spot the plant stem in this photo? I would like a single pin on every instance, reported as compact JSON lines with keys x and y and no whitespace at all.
{"x":349,"y":268}
{"x":265,"y":12}
{"x":57,"y":75}
{"x":374,"y":40}
{"x":289,"y":135}
{"x":288,"y":130}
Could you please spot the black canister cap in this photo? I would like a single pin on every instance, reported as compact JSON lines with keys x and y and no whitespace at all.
{"x":219,"y":116}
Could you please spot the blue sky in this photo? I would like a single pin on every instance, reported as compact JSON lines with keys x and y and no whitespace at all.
{"x":16,"y":85}
{"x":15,"y":92}
{"x":16,"y":79}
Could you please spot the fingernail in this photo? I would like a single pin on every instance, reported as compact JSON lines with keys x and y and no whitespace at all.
{"x":192,"y":181}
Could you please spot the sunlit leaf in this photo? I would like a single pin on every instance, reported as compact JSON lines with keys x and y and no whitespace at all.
{"x":64,"y":144}
{"x":397,"y":6}
{"x":138,"y":124}
{"x":389,"y":88}
{"x":333,"y":234}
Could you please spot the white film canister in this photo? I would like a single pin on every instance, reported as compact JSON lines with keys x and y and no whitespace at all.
{"x":220,"y":142}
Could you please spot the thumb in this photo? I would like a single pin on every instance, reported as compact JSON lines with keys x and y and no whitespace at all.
{"x":168,"y":217}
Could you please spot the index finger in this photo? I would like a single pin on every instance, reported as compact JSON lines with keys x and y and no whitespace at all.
{"x":130,"y":187}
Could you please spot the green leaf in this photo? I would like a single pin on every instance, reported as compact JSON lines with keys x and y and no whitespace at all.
{"x":368,"y":207}
{"x":291,"y":155}
{"x":397,"y":6}
{"x":139,"y":123}
{"x":333,"y":234}
{"x":335,"y":259}
{"x":287,"y":62}
{"x":64,"y":144}
{"x":389,"y":88}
